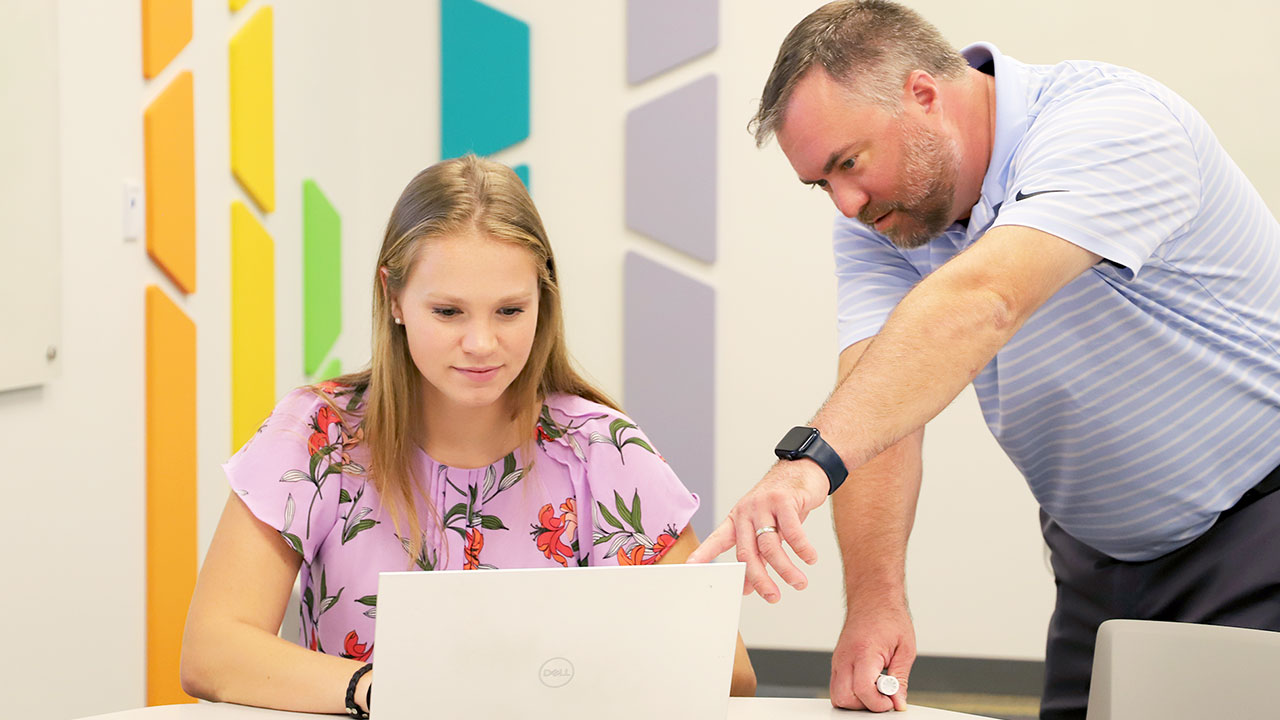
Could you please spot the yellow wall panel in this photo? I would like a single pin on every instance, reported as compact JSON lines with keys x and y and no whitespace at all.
{"x":166,"y":29}
{"x":236,"y":4}
{"x":253,"y":109}
{"x":170,"y":148}
{"x":171,"y":490}
{"x":253,"y":325}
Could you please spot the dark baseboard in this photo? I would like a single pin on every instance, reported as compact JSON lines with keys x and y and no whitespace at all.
{"x":812,"y":669}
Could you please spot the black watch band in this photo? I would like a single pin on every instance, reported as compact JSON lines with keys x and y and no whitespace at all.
{"x":352,"y":708}
{"x":806,"y":442}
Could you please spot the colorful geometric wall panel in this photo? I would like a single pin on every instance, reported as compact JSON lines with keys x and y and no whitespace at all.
{"x":166,"y":29}
{"x":484,"y":79}
{"x":671,"y":169}
{"x":321,"y":276}
{"x":522,"y":172}
{"x":672,"y":394}
{"x":236,"y":4}
{"x":331,"y":370}
{"x":171,"y":490}
{"x":170,"y":148}
{"x":253,"y":325}
{"x":253,"y":152}
{"x":662,"y":34}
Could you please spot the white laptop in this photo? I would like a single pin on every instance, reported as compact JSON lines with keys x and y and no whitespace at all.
{"x":646,"y":642}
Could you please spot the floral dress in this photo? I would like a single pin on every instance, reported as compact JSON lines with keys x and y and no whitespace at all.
{"x":598,"y":494}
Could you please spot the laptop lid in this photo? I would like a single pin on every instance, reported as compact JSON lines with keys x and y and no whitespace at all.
{"x":646,"y":642}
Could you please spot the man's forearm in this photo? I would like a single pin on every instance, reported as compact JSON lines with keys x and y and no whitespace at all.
{"x":942,"y":334}
{"x":873,"y":514}
{"x":932,"y":346}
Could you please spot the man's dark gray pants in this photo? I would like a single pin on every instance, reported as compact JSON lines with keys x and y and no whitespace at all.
{"x":1230,"y":575}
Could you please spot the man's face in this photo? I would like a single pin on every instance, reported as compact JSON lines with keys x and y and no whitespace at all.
{"x":892,"y":172}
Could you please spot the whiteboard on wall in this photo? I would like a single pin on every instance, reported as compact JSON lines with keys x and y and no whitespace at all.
{"x":30,"y":241}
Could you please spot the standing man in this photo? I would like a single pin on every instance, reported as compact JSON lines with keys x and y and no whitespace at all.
{"x":1073,"y":240}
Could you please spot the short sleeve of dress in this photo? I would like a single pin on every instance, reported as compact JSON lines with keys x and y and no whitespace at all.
{"x":1112,"y":170}
{"x":288,"y":473}
{"x":636,"y":504}
{"x":872,"y":276}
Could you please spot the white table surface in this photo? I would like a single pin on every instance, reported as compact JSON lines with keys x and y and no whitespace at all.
{"x":739,"y":709}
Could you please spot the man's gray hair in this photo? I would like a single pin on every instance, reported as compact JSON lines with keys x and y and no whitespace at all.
{"x":870,"y":47}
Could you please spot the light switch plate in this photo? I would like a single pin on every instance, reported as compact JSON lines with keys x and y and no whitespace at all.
{"x":132,"y":217}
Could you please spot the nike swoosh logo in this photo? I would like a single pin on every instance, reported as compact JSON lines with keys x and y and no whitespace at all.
{"x":1023,"y":196}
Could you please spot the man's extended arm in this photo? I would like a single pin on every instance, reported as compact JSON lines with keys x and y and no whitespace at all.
{"x":937,"y":339}
{"x":942,"y":334}
{"x":872,"y":514}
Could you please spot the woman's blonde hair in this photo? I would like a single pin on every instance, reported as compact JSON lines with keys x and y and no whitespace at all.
{"x":451,"y":197}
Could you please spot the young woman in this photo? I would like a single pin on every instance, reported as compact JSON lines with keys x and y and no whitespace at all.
{"x":470,"y":442}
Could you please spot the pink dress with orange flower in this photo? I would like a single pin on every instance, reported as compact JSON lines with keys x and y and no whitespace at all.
{"x":598,"y":494}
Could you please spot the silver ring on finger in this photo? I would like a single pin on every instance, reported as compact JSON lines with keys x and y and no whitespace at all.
{"x":766,"y":529}
{"x":887,"y":685}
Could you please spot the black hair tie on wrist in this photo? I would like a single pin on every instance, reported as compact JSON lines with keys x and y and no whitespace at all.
{"x":352,"y":708}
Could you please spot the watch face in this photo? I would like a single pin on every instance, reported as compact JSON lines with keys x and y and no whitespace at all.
{"x":796,"y":440}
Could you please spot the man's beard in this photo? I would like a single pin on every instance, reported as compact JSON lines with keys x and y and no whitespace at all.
{"x":929,"y":170}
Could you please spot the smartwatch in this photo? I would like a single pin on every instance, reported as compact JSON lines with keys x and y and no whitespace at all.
{"x":806,"y":442}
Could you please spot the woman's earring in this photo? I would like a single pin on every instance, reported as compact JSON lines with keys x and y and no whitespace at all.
{"x":398,"y":321}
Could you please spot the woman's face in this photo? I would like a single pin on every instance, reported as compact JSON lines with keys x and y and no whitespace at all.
{"x":470,"y":312}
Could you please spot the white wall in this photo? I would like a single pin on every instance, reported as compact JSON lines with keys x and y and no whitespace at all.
{"x":356,"y":110}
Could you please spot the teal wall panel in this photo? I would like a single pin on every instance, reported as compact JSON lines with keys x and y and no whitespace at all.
{"x":484,"y":79}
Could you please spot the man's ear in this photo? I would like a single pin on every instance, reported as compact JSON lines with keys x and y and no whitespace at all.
{"x":921,"y":89}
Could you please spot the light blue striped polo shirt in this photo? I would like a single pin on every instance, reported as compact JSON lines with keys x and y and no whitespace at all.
{"x":1144,"y":397}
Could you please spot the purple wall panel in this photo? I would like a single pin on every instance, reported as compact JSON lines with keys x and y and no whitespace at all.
{"x":671,"y":186}
{"x":669,"y":366}
{"x":662,"y":34}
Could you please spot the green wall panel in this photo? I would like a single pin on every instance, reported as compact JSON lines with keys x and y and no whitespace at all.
{"x":331,"y":370}
{"x":321,"y":276}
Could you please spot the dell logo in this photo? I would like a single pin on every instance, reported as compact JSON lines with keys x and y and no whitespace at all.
{"x":556,"y":672}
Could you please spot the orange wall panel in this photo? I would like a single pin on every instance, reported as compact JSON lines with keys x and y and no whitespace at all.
{"x":170,"y":146}
{"x":166,"y":29}
{"x":171,"y":490}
